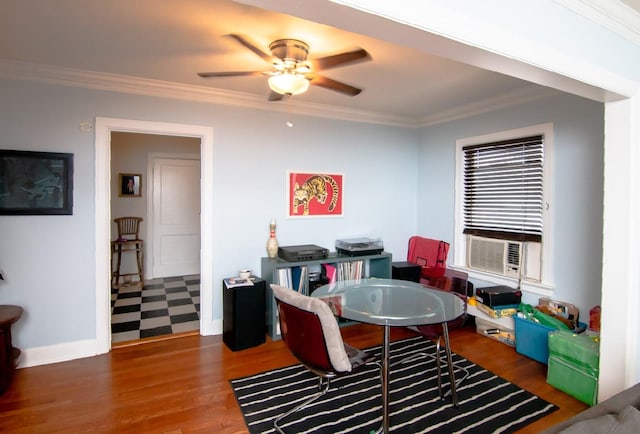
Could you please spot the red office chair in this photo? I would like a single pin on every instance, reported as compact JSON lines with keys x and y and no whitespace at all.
{"x":430,"y":254}
{"x":311,"y":333}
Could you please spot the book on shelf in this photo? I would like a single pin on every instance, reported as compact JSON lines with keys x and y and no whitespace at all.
{"x":330,"y":272}
{"x":350,"y":270}
{"x":294,"y":278}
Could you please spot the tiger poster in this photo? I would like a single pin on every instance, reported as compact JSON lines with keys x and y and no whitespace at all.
{"x":314,"y":194}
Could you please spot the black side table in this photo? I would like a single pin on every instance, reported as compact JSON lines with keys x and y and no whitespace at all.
{"x":243,"y":321}
{"x":9,"y":356}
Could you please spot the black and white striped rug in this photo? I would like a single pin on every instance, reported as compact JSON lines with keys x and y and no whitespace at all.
{"x":487,"y":403}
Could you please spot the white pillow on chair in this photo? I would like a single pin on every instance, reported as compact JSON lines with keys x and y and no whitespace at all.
{"x":335,"y":345}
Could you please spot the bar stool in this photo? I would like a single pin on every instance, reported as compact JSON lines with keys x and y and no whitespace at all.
{"x":128,"y":241}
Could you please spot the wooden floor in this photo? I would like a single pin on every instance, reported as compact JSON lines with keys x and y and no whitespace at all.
{"x":181,"y":385}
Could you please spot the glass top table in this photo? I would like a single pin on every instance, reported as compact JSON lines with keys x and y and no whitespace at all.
{"x":388,"y":303}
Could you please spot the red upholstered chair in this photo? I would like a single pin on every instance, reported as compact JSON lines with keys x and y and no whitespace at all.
{"x":430,"y":254}
{"x":312,"y":334}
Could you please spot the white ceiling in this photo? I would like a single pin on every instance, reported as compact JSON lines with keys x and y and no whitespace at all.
{"x":170,"y":41}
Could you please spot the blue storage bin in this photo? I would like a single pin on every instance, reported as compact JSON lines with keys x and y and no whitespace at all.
{"x":532,"y":339}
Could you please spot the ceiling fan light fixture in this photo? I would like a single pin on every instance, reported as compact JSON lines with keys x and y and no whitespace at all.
{"x":288,"y":84}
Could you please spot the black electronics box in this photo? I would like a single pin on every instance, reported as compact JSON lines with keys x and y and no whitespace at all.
{"x":405,"y":271}
{"x":306,"y":252}
{"x":500,"y":295}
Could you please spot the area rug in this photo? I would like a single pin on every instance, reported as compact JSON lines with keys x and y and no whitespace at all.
{"x":487,"y":403}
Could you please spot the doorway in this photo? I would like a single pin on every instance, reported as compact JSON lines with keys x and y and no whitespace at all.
{"x":104,"y":128}
{"x":167,"y":301}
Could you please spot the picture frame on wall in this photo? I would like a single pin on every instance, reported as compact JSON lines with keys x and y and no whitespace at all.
{"x":314,"y":194}
{"x":130,"y":184}
{"x":36,"y":183}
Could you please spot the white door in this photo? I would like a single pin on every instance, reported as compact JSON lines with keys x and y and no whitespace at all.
{"x":176,"y":217}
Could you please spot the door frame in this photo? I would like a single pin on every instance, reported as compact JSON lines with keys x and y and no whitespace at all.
{"x":103,"y":129}
{"x":149,"y":240}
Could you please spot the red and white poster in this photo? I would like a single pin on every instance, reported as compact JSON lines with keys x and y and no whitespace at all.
{"x":314,"y":194}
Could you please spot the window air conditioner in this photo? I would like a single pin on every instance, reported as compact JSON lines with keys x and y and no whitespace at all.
{"x":494,"y":256}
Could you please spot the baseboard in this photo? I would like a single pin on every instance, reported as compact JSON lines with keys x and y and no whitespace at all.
{"x":57,"y":353}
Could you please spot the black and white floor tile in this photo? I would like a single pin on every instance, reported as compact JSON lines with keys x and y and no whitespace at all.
{"x":157,"y":307}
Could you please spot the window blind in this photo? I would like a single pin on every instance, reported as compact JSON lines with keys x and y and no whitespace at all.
{"x":503,"y":189}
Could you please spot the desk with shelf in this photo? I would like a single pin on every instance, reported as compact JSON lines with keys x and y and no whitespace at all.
{"x":378,"y":265}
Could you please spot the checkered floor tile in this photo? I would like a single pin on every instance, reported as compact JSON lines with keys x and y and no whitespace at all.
{"x":163,"y":306}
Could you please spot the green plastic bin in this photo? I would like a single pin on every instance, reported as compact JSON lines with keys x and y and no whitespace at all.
{"x":574,"y":365}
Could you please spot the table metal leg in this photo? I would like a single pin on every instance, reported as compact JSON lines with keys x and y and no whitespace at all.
{"x":385,"y":380}
{"x":452,"y":378}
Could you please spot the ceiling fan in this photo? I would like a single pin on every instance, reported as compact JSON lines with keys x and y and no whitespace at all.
{"x":291,"y":72}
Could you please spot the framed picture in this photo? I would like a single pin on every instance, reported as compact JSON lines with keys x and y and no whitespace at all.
{"x":36,"y":183}
{"x":130,"y":184}
{"x":314,"y":194}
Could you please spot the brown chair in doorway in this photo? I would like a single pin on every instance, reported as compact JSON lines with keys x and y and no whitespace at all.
{"x":128,"y":241}
{"x":312,"y":334}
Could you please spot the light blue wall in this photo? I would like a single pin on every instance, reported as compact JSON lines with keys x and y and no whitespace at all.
{"x":393,"y":189}
{"x":49,"y":260}
{"x":578,"y":185}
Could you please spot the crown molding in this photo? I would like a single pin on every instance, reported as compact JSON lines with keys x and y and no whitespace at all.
{"x":61,"y":76}
{"x":520,"y":96}
{"x":613,"y":15}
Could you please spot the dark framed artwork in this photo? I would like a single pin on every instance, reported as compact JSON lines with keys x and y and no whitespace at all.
{"x":130,"y":184}
{"x":314,"y":194}
{"x":36,"y":183}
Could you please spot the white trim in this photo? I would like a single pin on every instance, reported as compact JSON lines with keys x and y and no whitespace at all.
{"x":621,"y":254}
{"x":57,"y":353}
{"x":460,"y":250}
{"x":613,"y":15}
{"x":103,"y":129}
{"x":14,"y":70}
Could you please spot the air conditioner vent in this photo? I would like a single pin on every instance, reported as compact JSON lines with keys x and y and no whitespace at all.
{"x":494,"y":256}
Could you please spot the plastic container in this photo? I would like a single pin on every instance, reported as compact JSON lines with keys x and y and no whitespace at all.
{"x":532,"y":339}
{"x":574,"y":365}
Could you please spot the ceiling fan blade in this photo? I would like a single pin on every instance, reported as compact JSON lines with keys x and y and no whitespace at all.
{"x":360,"y":55}
{"x":229,"y":73}
{"x":328,"y":83}
{"x":275,"y":96}
{"x":244,"y":41}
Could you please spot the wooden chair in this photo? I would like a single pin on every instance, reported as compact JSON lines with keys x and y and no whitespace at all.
{"x":312,"y":334}
{"x":128,"y":241}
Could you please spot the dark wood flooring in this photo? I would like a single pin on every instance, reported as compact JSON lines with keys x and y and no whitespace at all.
{"x":181,"y":385}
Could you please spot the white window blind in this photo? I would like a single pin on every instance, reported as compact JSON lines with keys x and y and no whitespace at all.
{"x":503,"y":189}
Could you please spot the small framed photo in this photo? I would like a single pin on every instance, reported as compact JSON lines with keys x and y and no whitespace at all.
{"x":36,"y":183}
{"x":130,"y":184}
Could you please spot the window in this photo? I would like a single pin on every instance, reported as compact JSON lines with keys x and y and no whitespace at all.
{"x":502,"y":197}
{"x":503,"y":189}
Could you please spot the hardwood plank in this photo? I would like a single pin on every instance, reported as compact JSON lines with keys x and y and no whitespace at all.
{"x":181,"y":385}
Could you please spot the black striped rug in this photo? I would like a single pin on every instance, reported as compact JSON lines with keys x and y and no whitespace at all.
{"x":488,"y":403}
